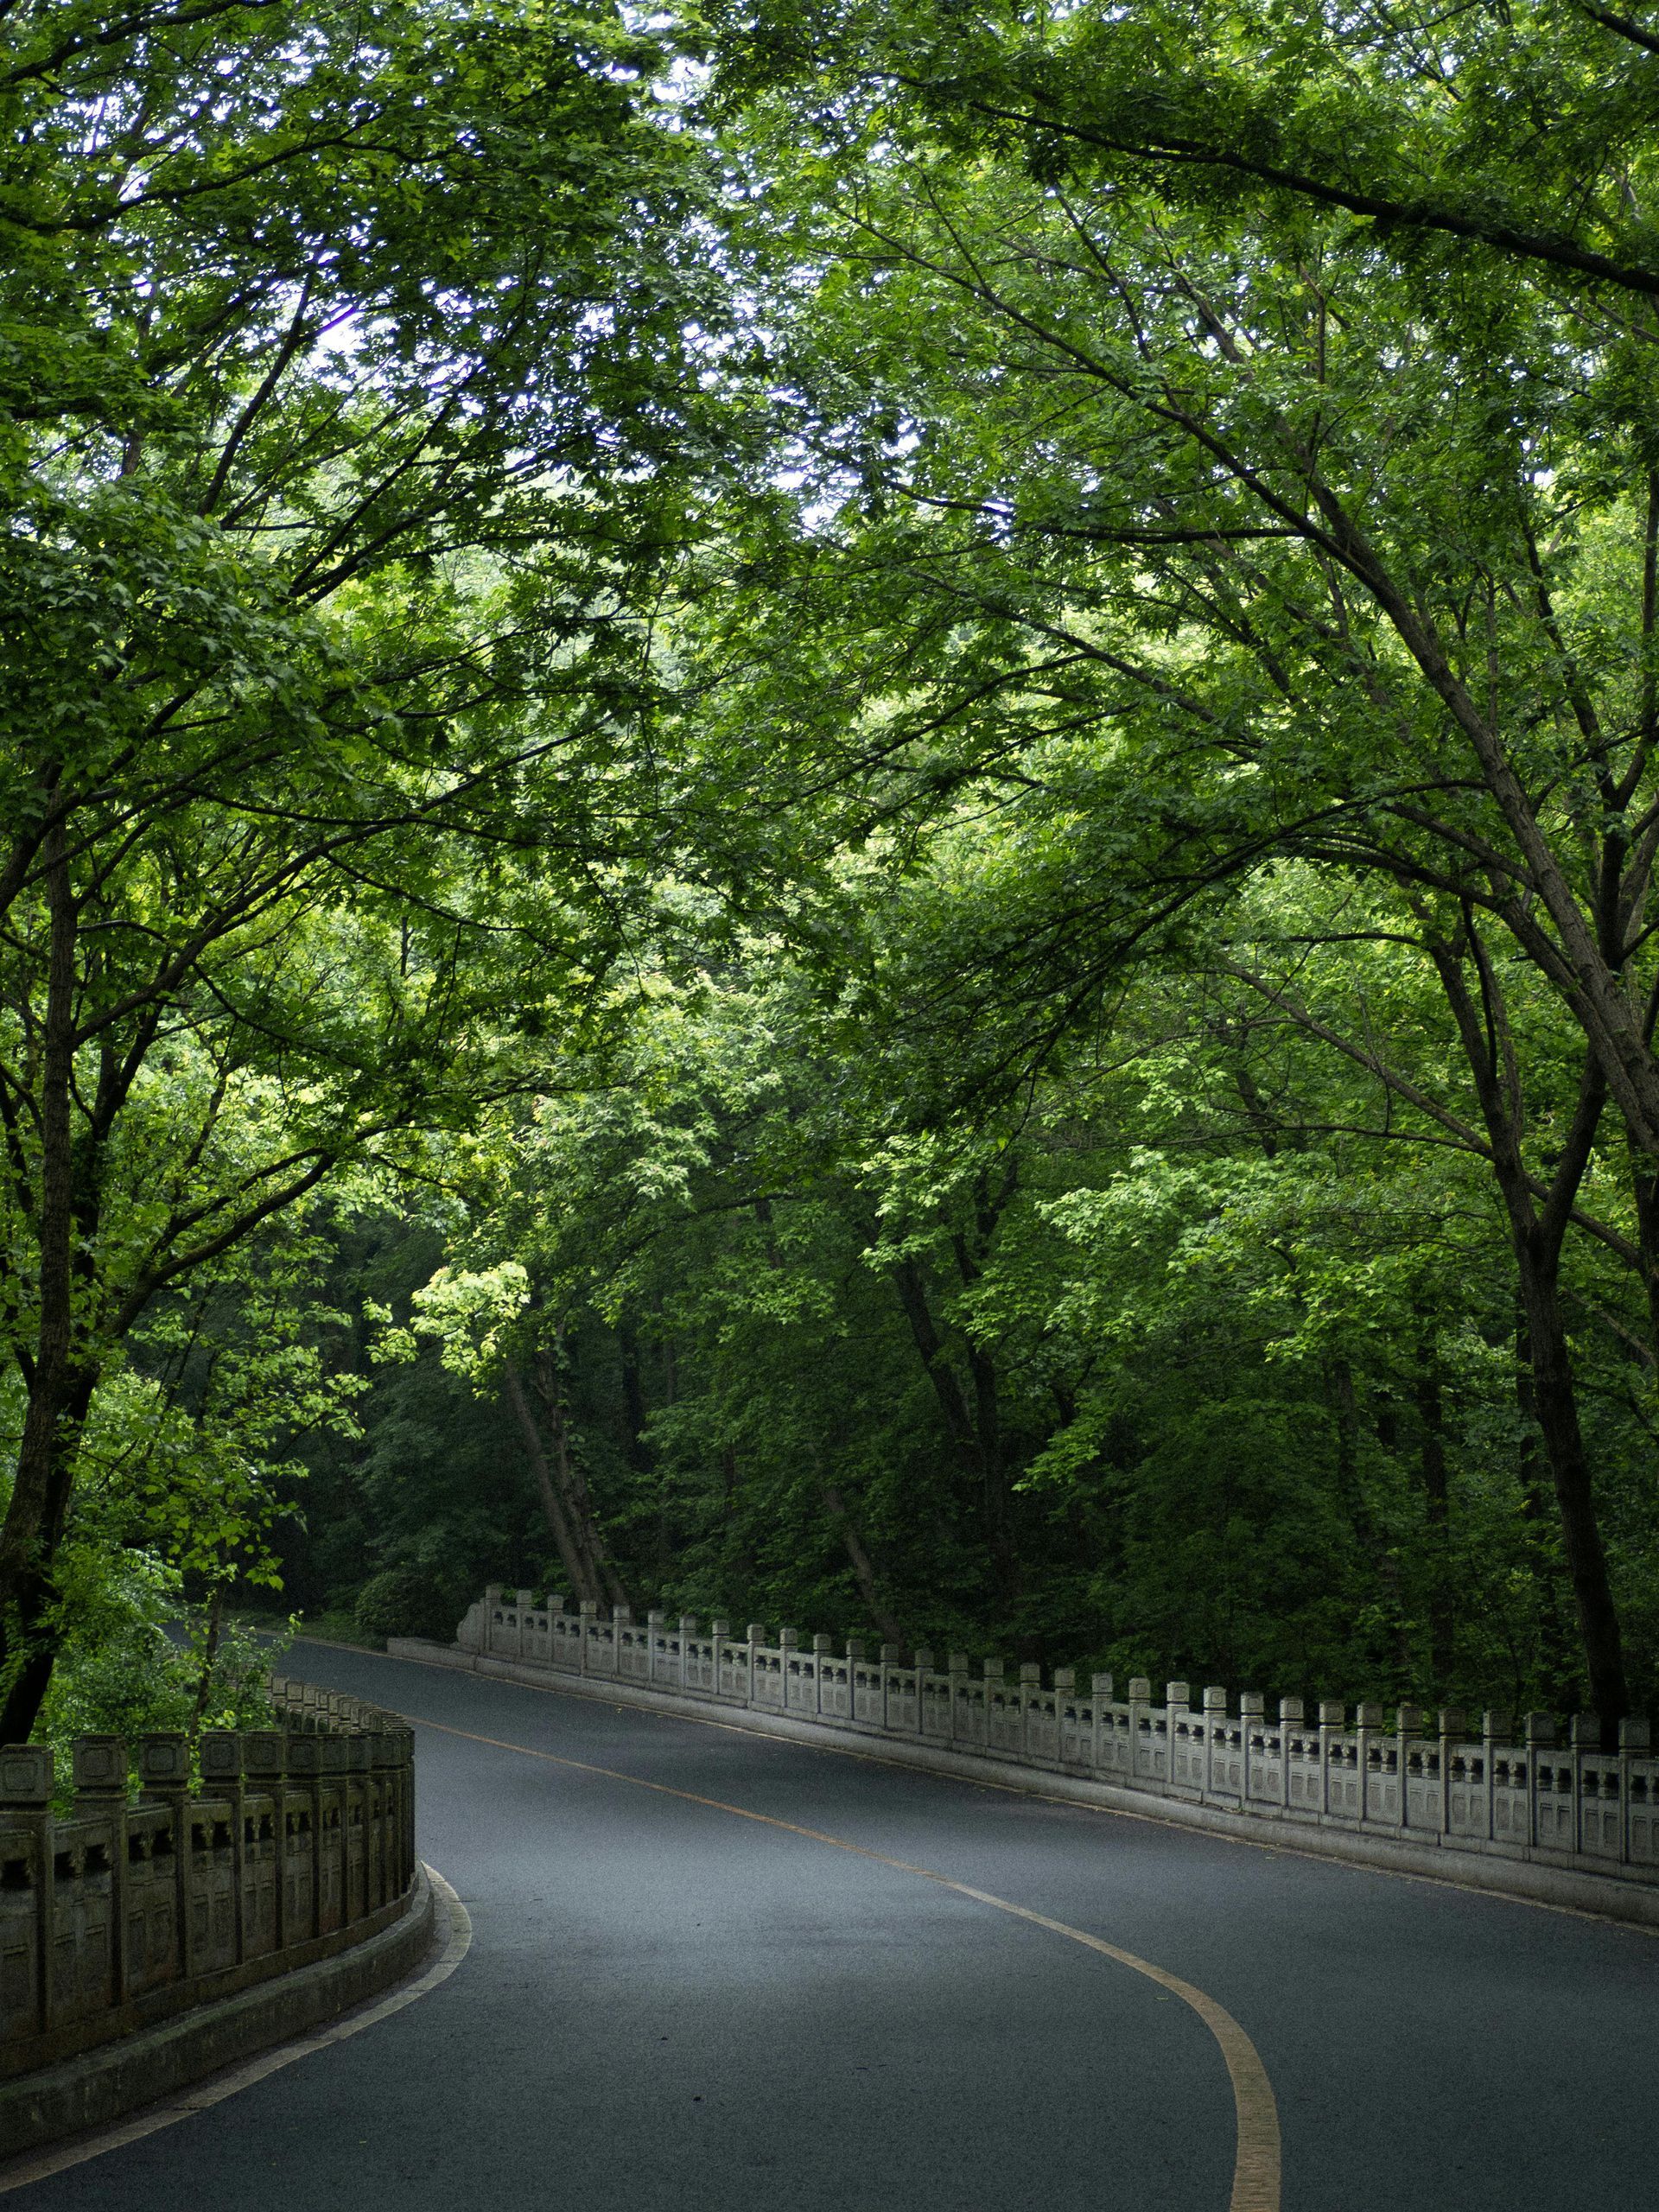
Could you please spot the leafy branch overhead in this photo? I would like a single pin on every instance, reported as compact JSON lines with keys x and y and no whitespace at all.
{"x":845,"y":810}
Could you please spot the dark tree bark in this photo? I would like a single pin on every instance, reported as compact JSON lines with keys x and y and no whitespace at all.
{"x":1431,"y":1459}
{"x":547,"y":1369}
{"x":1560,"y":1661}
{"x":583,"y":1584}
{"x":1537,"y":1231}
{"x":864,"y":1573}
{"x":566,"y":1501}
{"x":975,"y":1432}
{"x":1350,"y":1489}
{"x":62,"y":1372}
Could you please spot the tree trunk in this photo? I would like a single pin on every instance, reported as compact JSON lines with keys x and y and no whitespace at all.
{"x":1560,"y":1661}
{"x":1537,"y":1231}
{"x":63,"y":1372}
{"x":863,"y":1567}
{"x":209,"y":1654}
{"x":1644,"y":1184}
{"x":1555,"y":1405}
{"x":975,"y":1433}
{"x":1431,"y":1450}
{"x":1352,"y":1491}
{"x":641,"y":1458}
{"x":583,"y":1584}
{"x":573,"y":1493}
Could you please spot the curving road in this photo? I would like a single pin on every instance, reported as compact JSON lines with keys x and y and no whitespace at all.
{"x":678,"y":1999}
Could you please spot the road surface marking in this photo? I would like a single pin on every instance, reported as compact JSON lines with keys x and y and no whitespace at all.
{"x":217,"y":2087}
{"x":1337,"y":1861}
{"x":1256,"y":2159}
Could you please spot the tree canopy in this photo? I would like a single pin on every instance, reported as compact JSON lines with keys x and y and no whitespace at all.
{"x":841,"y":811}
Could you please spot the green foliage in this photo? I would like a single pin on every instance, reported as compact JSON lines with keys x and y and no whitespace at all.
{"x":134,"y":1657}
{"x":336,"y":367}
{"x":849,"y":815}
{"x":406,"y":1601}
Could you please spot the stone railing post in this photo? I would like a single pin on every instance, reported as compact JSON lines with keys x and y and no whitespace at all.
{"x":889,"y":1657}
{"x":264,"y":1765}
{"x":26,"y":1811}
{"x":334,"y":1764}
{"x":1066,"y":1691}
{"x":688,"y":1630}
{"x":655,"y":1627}
{"x":376,"y":1819}
{"x":1252,"y":1713}
{"x":358,"y":1802}
{"x":305,"y":1772}
{"x":788,"y":1640}
{"x":1452,"y":1728}
{"x":922,"y":1659}
{"x":1031,"y":1684}
{"x":558,"y":1643}
{"x":957,"y":1667}
{"x":589,"y":1615}
{"x":1100,"y":1692}
{"x":164,"y":1778}
{"x":854,"y":1660}
{"x":1368,"y":1723}
{"x":994,"y":1674}
{"x":1635,"y":1741}
{"x":1142,"y":1767}
{"x":1215,"y":1718}
{"x":1538,"y":1731}
{"x":1585,"y":1736}
{"x":1332,"y":1716}
{"x":755,"y":1632}
{"x":1408,"y":1733}
{"x":220,"y":1752}
{"x":823,"y":1647}
{"x":99,"y":1767}
{"x":400,"y":1742}
{"x":1290,"y":1719}
{"x":1496,"y":1728}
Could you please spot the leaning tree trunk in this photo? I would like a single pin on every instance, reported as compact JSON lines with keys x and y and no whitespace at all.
{"x":572,"y":1482}
{"x":578,"y":1568}
{"x":1555,"y":1407}
{"x":1538,"y":1216}
{"x":863,"y":1566}
{"x":566,"y":1500}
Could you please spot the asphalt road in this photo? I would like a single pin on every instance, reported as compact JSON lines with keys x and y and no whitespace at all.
{"x":670,"y":2008}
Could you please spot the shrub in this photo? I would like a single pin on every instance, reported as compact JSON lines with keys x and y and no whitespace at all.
{"x":407,"y":1601}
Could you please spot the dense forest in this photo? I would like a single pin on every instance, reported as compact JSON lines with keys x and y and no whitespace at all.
{"x":843,"y":813}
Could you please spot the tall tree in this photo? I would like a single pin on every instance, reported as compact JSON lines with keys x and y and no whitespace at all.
{"x":326,"y":328}
{"x":1153,"y":481}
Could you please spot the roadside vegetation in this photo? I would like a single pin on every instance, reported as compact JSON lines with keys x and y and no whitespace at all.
{"x":845,"y":813}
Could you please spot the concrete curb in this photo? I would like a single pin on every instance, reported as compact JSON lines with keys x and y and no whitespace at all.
{"x":132,"y":2070}
{"x":1528,"y":1881}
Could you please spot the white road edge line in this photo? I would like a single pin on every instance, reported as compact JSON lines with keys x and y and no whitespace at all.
{"x":226,"y":2083}
{"x":596,"y":1695}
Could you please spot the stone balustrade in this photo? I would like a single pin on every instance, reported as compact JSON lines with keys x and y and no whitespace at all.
{"x":296,"y":1842}
{"x":1520,"y":1789}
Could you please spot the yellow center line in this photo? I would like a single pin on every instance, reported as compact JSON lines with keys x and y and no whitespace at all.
{"x":1255,"y":2162}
